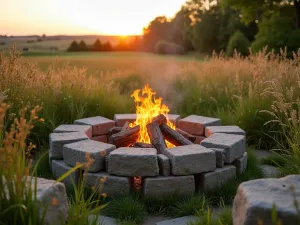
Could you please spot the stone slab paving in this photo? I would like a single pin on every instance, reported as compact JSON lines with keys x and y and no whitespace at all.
{"x":241,"y":164}
{"x":174,"y":118}
{"x":101,"y":125}
{"x":164,"y":165}
{"x":254,"y":200}
{"x":179,"y":221}
{"x":121,"y":119}
{"x":102,"y":220}
{"x":199,"y":139}
{"x":133,"y":162}
{"x":77,"y":152}
{"x":263,"y":154}
{"x":59,"y":167}
{"x":159,"y":186}
{"x":67,"y":128}
{"x":234,"y":145}
{"x":58,"y":140}
{"x":152,"y":220}
{"x":214,"y":179}
{"x":220,"y":157}
{"x":102,"y":138}
{"x":223,"y":129}
{"x":191,"y":159}
{"x":270,"y":171}
{"x":111,"y":185}
{"x":196,"y":124}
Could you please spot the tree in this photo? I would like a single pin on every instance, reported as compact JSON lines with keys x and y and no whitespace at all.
{"x":107,"y":46}
{"x":74,"y":47}
{"x":97,"y":46}
{"x":82,"y":46}
{"x":239,"y":42}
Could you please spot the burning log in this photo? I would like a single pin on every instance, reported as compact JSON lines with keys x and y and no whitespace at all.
{"x":188,"y":136}
{"x":156,"y":137}
{"x":142,"y":145}
{"x":126,"y":126}
{"x":173,"y":136}
{"x":160,"y":119}
{"x":114,"y":130}
{"x":125,"y":138}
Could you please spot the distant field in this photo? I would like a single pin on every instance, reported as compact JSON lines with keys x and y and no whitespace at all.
{"x":112,"y":61}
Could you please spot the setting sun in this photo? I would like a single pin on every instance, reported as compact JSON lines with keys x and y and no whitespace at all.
{"x":83,"y":17}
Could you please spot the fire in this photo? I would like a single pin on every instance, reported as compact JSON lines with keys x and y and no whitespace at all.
{"x":147,"y":107}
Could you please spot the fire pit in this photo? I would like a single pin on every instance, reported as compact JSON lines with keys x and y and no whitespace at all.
{"x":151,"y":151}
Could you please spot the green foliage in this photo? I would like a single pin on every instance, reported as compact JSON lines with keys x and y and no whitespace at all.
{"x":165,"y":48}
{"x":127,"y":208}
{"x":190,"y":206}
{"x":238,"y":42}
{"x":97,"y":46}
{"x":208,"y":217}
{"x":276,"y":32}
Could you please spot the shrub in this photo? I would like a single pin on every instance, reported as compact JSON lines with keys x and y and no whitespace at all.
{"x":164,"y":47}
{"x":239,"y":42}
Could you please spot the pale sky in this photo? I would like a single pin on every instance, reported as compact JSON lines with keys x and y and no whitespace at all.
{"x":115,"y":17}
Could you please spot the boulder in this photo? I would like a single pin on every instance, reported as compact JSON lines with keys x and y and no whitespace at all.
{"x":255,"y":199}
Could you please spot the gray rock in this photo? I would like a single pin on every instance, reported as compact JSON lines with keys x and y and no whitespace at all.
{"x":199,"y":139}
{"x":67,"y":128}
{"x":59,"y":167}
{"x":164,"y":165}
{"x":179,"y":221}
{"x":196,"y":124}
{"x":102,"y":220}
{"x":174,"y":118}
{"x":133,"y":162}
{"x":77,"y":152}
{"x":254,"y":200}
{"x":109,"y":184}
{"x":263,"y":154}
{"x":153,"y":219}
{"x":58,"y":140}
{"x":102,"y":138}
{"x":241,"y":164}
{"x":52,"y":198}
{"x":216,"y":178}
{"x":220,"y":157}
{"x":224,"y":129}
{"x":101,"y":125}
{"x":234,"y":145}
{"x":270,"y":171}
{"x":160,"y":186}
{"x":121,"y":119}
{"x":191,"y":159}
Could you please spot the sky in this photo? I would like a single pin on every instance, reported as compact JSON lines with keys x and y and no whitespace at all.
{"x":109,"y":17}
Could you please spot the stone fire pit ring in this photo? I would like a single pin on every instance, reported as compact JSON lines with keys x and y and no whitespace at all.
{"x":217,"y":155}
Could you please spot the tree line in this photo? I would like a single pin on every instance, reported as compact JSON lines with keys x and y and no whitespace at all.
{"x":223,"y":25}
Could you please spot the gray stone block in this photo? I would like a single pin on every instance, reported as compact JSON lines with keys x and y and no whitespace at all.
{"x":220,"y":156}
{"x":241,"y":164}
{"x":223,"y":129}
{"x":102,"y":220}
{"x":109,"y":184}
{"x":58,"y":140}
{"x":59,"y":167}
{"x":67,"y":128}
{"x":196,"y":124}
{"x":216,"y":178}
{"x":164,"y":165}
{"x":160,"y":186}
{"x":255,"y":199}
{"x":101,"y":125}
{"x":180,"y":221}
{"x":234,"y":145}
{"x":52,"y":197}
{"x":133,"y":162}
{"x":121,"y":119}
{"x":77,"y":152}
{"x":174,"y":118}
{"x":191,"y":159}
{"x":102,"y":138}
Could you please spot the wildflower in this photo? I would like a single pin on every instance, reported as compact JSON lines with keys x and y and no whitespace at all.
{"x":42,"y":120}
{"x":54,"y":201}
{"x":104,"y":195}
{"x":103,"y":179}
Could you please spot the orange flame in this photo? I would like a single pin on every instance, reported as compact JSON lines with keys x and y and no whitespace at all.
{"x":147,"y":107}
